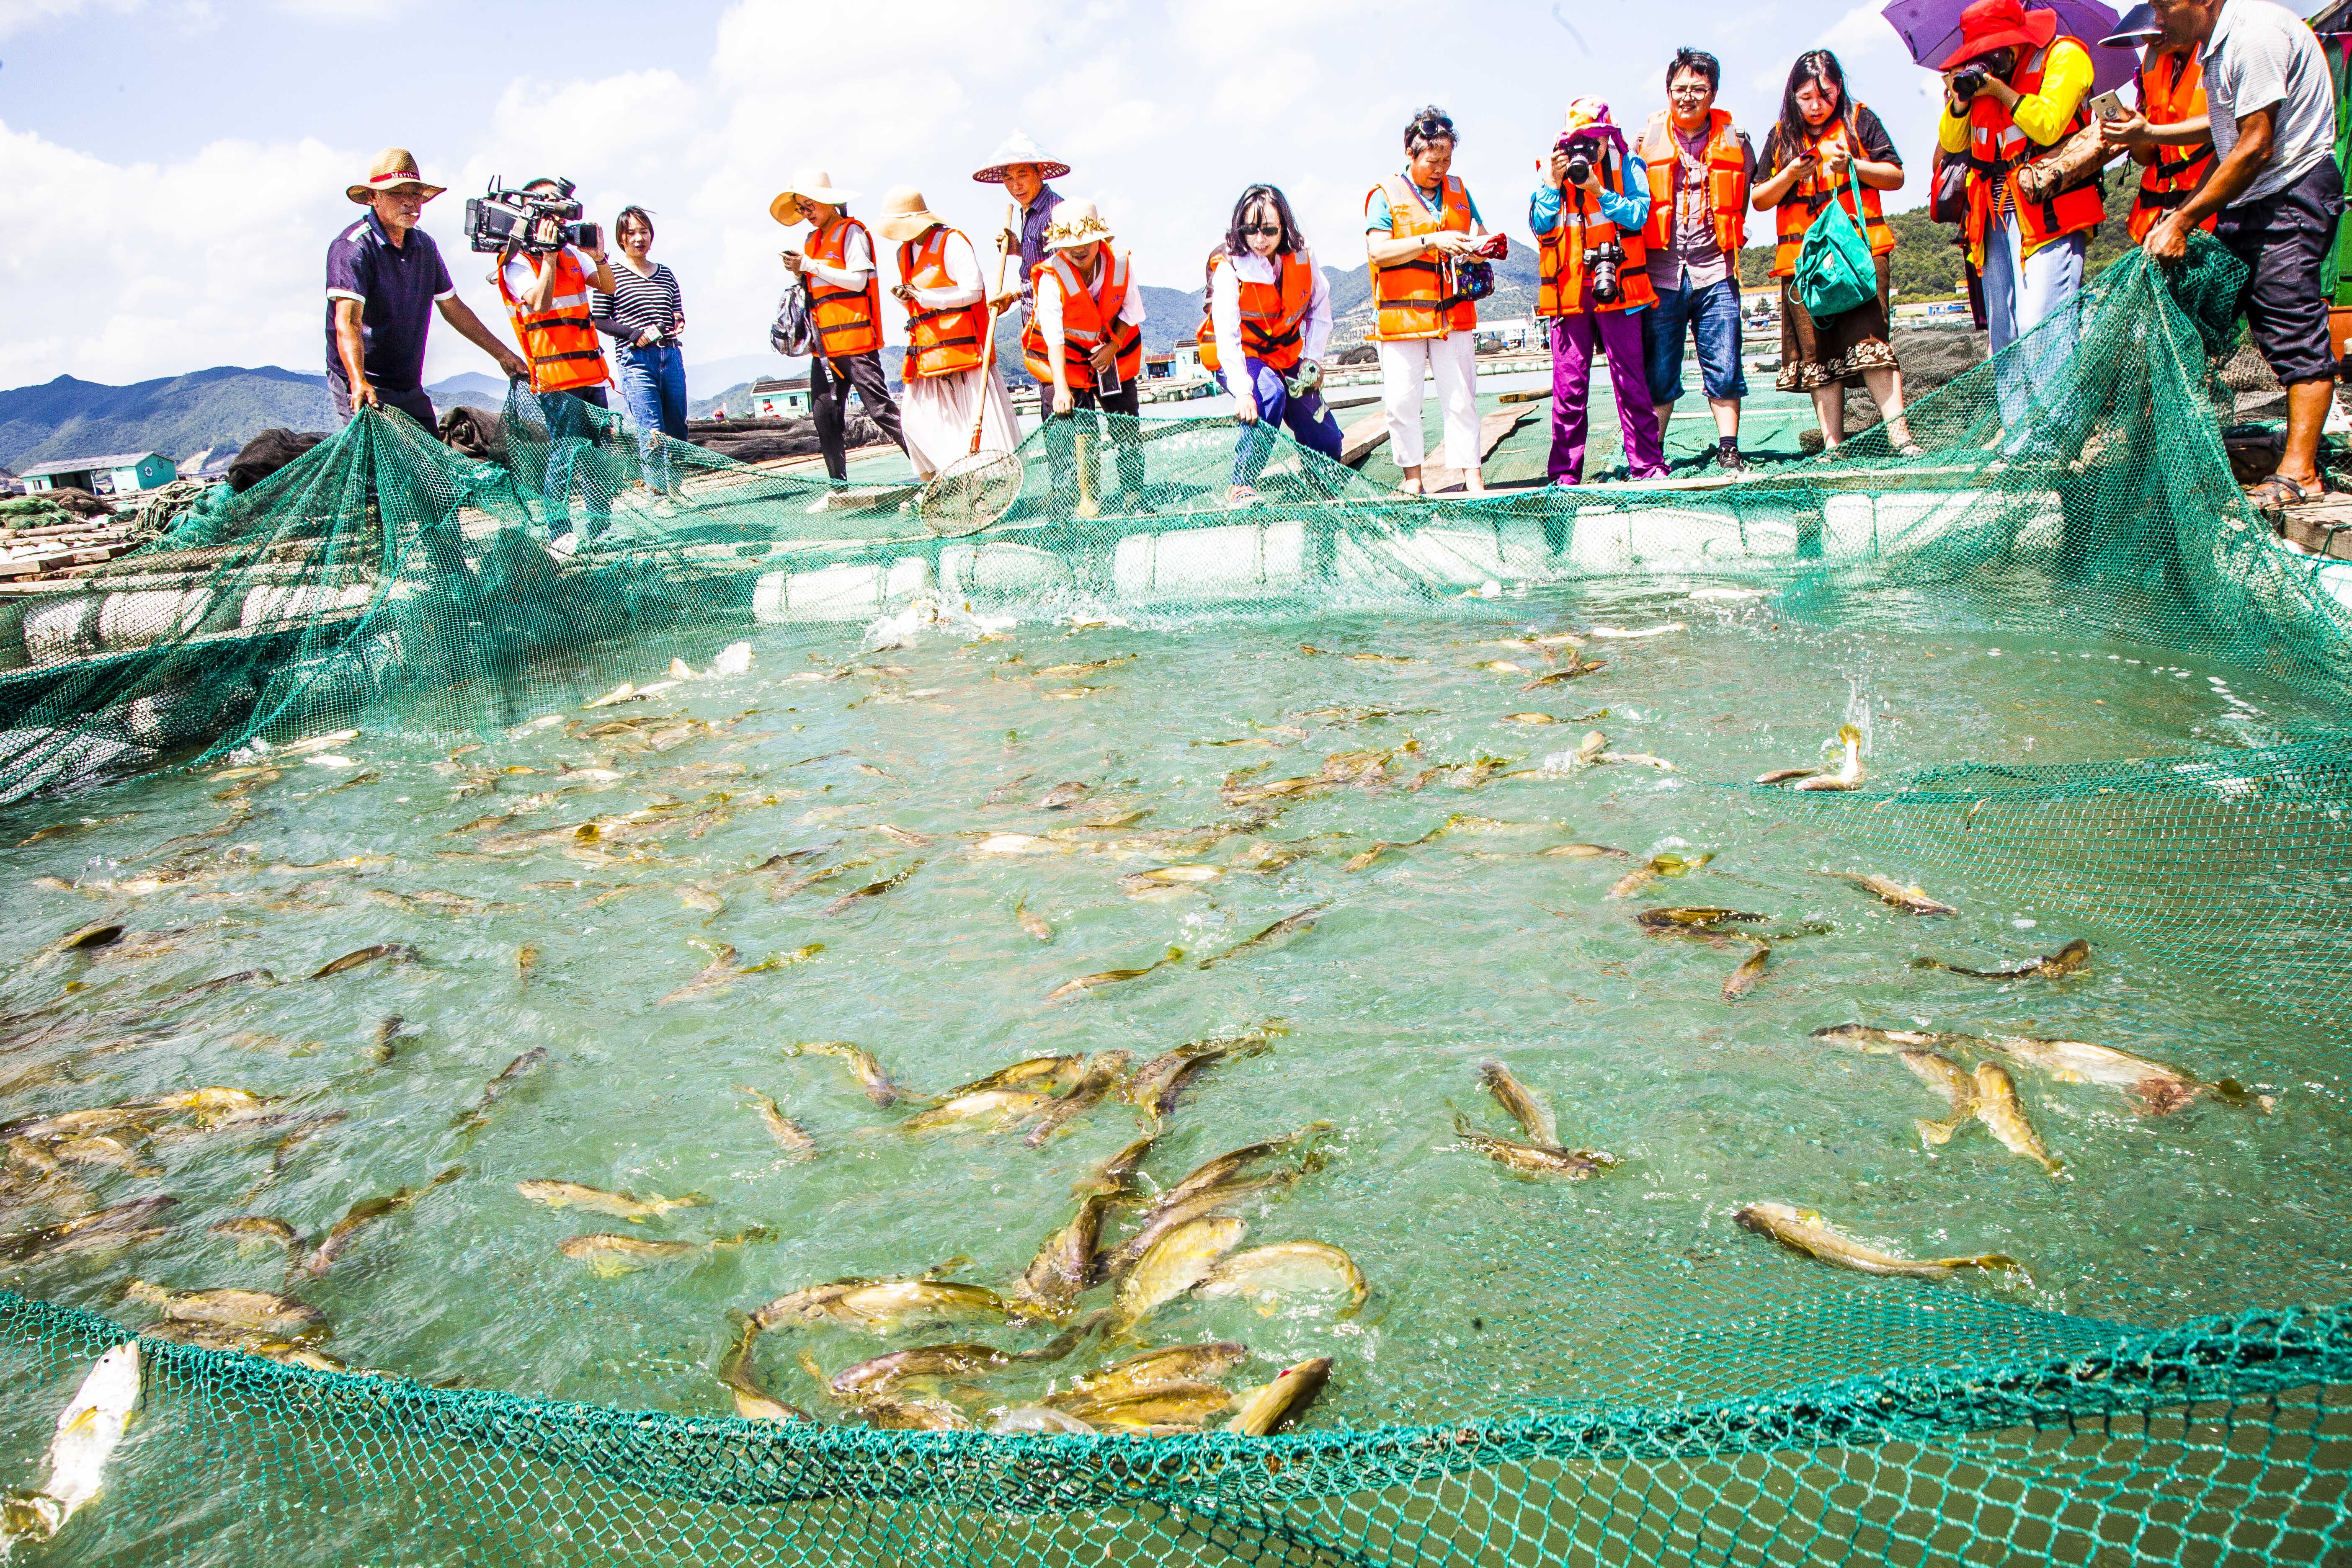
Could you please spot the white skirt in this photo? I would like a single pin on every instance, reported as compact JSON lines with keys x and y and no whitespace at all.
{"x":936,"y":415}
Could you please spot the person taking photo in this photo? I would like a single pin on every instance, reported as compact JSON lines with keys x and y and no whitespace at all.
{"x":1700,"y":166}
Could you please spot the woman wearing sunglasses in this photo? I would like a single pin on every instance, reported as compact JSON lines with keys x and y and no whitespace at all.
{"x":1266,"y":325}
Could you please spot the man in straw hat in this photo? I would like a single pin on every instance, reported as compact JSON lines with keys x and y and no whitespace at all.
{"x":844,"y":306}
{"x":1085,"y":346}
{"x":1022,"y":168}
{"x":384,"y":278}
{"x":952,"y":387}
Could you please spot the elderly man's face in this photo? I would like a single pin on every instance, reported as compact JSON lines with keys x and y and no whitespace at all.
{"x":399,"y":208}
{"x":2185,"y":21}
{"x":1023,"y":181}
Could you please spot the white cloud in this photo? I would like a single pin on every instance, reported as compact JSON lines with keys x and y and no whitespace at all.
{"x":17,"y":15}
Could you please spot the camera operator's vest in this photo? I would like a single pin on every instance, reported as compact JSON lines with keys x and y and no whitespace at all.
{"x":1997,"y":146}
{"x":1726,"y":181}
{"x":1416,"y":297}
{"x":1811,"y":194}
{"x":561,"y":341}
{"x":848,"y":320}
{"x":942,"y":342}
{"x":1561,"y":255}
{"x":1274,"y":315}
{"x":2173,"y":91}
{"x":1085,"y":319}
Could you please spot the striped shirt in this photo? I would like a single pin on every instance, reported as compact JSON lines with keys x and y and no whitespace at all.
{"x":638,"y":304}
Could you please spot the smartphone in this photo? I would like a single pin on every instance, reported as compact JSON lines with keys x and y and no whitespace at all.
{"x":2109,"y":106}
{"x":1106,"y":380}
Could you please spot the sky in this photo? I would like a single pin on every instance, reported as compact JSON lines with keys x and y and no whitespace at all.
{"x":172,"y":171}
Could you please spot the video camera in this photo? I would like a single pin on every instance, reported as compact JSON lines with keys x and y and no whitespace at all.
{"x":536,"y":222}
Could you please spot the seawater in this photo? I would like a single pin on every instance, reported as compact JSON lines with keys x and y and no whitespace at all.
{"x":1489,"y":1293}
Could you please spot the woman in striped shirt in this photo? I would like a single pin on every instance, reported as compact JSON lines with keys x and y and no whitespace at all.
{"x":645,"y":318}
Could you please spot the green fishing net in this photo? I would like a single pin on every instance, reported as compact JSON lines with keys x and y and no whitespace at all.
{"x":2079,"y":483}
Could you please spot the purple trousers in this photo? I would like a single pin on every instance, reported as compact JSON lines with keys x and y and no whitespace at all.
{"x":1619,"y":335}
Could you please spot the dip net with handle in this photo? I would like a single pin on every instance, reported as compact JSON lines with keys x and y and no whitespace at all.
{"x":384,"y":583}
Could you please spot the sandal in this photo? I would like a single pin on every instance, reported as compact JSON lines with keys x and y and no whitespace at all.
{"x":2278,"y":492}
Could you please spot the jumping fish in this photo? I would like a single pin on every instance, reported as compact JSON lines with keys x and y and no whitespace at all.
{"x":1913,"y":900}
{"x":1279,"y":931}
{"x":1178,"y":1261}
{"x":1658,"y":866}
{"x":87,"y":1430}
{"x":1802,"y":1230}
{"x":1111,"y":976}
{"x":1519,"y":1103}
{"x":861,"y":1065}
{"x":2003,"y":1115}
{"x":1267,"y":1409}
{"x":2075,"y":955}
{"x":1849,"y":775}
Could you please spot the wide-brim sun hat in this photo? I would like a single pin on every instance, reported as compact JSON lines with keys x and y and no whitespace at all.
{"x":1077,"y":223}
{"x":1018,"y":149}
{"x":1989,"y":24}
{"x":2135,"y":27}
{"x":807,"y":186}
{"x":904,"y":215}
{"x":395,"y":167}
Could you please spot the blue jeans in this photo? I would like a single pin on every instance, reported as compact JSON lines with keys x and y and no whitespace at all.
{"x":653,"y":384}
{"x":1308,"y":421}
{"x":574,"y":453}
{"x":1712,"y":316}
{"x":2022,"y":293}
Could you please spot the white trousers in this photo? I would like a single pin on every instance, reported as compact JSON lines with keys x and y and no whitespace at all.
{"x":1453,"y":359}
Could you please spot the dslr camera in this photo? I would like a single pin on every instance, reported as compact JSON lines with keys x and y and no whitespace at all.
{"x":1605,"y":265}
{"x":1583,"y":152}
{"x":536,"y":222}
{"x":1970,"y":78}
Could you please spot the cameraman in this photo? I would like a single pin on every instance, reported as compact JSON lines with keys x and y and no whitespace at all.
{"x":545,"y":280}
{"x":1588,"y":215}
{"x":2014,"y":88}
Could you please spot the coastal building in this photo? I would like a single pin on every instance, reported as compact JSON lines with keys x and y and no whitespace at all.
{"x":1509,"y":332}
{"x":118,"y":473}
{"x":785,"y":397}
{"x":1184,"y":364}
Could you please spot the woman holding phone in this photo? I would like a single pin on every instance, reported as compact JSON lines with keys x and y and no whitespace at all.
{"x":1420,"y":226}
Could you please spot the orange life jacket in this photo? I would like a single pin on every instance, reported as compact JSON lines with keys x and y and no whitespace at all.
{"x":1560,"y":255}
{"x":1810,"y":195}
{"x":848,"y":320}
{"x":2171,"y":90}
{"x":1274,"y":315}
{"x":1996,"y":148}
{"x":1087,"y":317}
{"x":561,"y":341}
{"x":941,"y":342}
{"x":1726,"y":181}
{"x":1416,"y":297}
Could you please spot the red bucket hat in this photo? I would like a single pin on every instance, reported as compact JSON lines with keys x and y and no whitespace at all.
{"x":1989,"y":24}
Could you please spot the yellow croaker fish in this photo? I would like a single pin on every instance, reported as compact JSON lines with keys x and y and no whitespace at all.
{"x":1067,"y":1265}
{"x":331,"y":1247}
{"x":1579,"y":852}
{"x":396,"y":952}
{"x":1167,"y":1407}
{"x":1694,"y":920}
{"x":2003,"y":1115}
{"x":879,"y":1377}
{"x":1912,"y":899}
{"x":2068,"y":960}
{"x":1105,"y":1072}
{"x":251,"y":1231}
{"x":1033,"y":923}
{"x":1575,"y":669}
{"x":752,"y":1402}
{"x":1849,"y":773}
{"x":1518,"y":1103}
{"x":870,"y":891}
{"x":883,"y":1305}
{"x":1265,"y":1410}
{"x":2160,"y":1090}
{"x":105,"y":1230}
{"x":1876,"y":1041}
{"x":1154,"y":1086}
{"x":521,"y":1068}
{"x":1802,"y":1230}
{"x":1003,"y":1106}
{"x":719,"y":972}
{"x":1658,"y":866}
{"x":607,"y":1254}
{"x":526,"y":960}
{"x":1157,"y":1369}
{"x":1142,"y":884}
{"x":1264,"y":1274}
{"x":861,"y":1065}
{"x":280,"y":1317}
{"x":789,"y":1134}
{"x":1948,"y":1079}
{"x":1179,"y":1260}
{"x":595,"y":1200}
{"x":1111,"y":976}
{"x":1744,"y":978}
{"x":1279,"y":931}
{"x":1531,"y":1158}
{"x":1041,"y":1074}
{"x":87,"y":1430}
{"x":1064,"y":796}
{"x":1527,"y":719}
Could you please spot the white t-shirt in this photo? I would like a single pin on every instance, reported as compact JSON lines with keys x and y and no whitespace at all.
{"x":520,"y":275}
{"x":1226,"y":302}
{"x":2261,"y":55}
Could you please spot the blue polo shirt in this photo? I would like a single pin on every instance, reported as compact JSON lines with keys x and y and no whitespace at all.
{"x":396,"y":287}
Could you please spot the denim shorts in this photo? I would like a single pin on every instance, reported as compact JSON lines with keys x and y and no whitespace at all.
{"x":1712,"y":314}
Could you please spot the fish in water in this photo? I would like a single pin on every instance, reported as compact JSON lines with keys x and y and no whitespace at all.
{"x":1575,"y":669}
{"x":1699,"y":920}
{"x":2003,"y":1115}
{"x":1041,"y":1074}
{"x":87,"y":1430}
{"x":1280,"y":931}
{"x":258,"y":1311}
{"x":1066,"y":1264}
{"x":1912,"y":900}
{"x":330,"y":1246}
{"x":105,"y":1149}
{"x":1849,"y":773}
{"x":1005,"y":1106}
{"x":1581,"y":852}
{"x":1802,"y":1230}
{"x":870,"y":891}
{"x":861,"y":1065}
{"x":1064,"y":796}
{"x":1264,"y":1273}
{"x":883,"y":1305}
{"x":2075,"y":956}
{"x":719,"y":972}
{"x":879,"y":1376}
{"x":521,"y":1068}
{"x":1105,"y":1072}
{"x":1948,"y":1079}
{"x":1033,"y":924}
{"x":752,"y":1402}
{"x":396,"y":952}
{"x":385,"y":1041}
{"x":1114,"y":1175}
{"x":789,"y":1134}
{"x":1265,"y":1410}
{"x":1155,"y":1086}
{"x":1888,"y":1042}
{"x":123,"y":1224}
{"x":1658,"y":866}
{"x":258,"y":1230}
{"x":1750,"y":972}
{"x":595,"y":1200}
{"x":1176,"y":1262}
{"x":1111,"y":976}
{"x":2159,"y":1089}
{"x":1158,"y":1369}
{"x":608,"y":1255}
{"x":1533,"y":1159}
{"x":1518,"y":1103}
{"x":526,"y":960}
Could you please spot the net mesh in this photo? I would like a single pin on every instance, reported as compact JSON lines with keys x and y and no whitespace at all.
{"x":2077,"y":482}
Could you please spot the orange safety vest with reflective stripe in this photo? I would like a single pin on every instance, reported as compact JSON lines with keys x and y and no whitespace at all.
{"x":1560,"y":255}
{"x":2171,"y":90}
{"x":848,"y":320}
{"x":1997,"y":146}
{"x":938,"y":342}
{"x":1416,"y":297}
{"x":1087,"y":317}
{"x":1810,"y":195}
{"x":1274,"y":315}
{"x":1726,"y":181}
{"x":560,"y":341}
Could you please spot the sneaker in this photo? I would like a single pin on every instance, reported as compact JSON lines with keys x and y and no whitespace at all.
{"x":563,"y":546}
{"x":1240,"y":496}
{"x":1730,"y":460}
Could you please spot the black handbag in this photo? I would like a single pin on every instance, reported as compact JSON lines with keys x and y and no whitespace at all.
{"x":1949,"y":201}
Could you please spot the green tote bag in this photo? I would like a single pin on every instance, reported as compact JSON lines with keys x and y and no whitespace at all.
{"x":1835,"y":271}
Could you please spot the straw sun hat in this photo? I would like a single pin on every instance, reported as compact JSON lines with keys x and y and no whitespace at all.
{"x":808,"y":185}
{"x":904,"y":215}
{"x":1077,"y":223}
{"x":395,"y":167}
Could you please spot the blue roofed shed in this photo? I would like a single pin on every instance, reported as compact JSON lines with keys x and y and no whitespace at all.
{"x":117,"y":473}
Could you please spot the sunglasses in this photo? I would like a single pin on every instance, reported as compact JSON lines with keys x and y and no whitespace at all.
{"x":1273,"y":229}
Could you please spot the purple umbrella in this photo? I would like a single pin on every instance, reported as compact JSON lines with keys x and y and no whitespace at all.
{"x":1931,"y":31}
